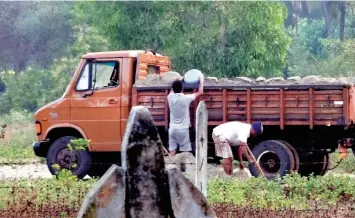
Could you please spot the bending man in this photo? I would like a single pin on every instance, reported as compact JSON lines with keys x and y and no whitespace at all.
{"x":234,"y":133}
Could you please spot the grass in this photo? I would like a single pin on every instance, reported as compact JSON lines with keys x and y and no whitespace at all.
{"x":43,"y":191}
{"x":16,"y":146}
{"x":293,"y":191}
{"x":347,"y":165}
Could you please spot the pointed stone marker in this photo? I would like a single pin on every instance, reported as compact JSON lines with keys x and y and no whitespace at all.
{"x":201,"y":147}
{"x":142,"y":187}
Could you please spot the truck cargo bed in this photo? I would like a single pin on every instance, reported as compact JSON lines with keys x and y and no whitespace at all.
{"x":280,"y":105}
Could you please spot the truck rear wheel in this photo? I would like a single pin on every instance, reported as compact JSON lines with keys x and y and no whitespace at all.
{"x":78,"y":161}
{"x":314,"y":162}
{"x":295,"y":155}
{"x":274,"y":158}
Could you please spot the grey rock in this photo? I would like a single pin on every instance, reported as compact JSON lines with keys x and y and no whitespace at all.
{"x":350,"y":80}
{"x":260,"y":79}
{"x":211,"y":80}
{"x":152,"y":80}
{"x":243,"y":79}
{"x":328,"y":80}
{"x":275,"y":80}
{"x":171,"y":76}
{"x":225,"y":81}
{"x":187,"y":200}
{"x":294,"y":79}
{"x":310,"y":79}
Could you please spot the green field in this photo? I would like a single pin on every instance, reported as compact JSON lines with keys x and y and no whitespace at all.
{"x":293,"y":193}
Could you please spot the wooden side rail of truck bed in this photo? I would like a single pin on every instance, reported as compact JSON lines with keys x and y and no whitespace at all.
{"x":282,"y":105}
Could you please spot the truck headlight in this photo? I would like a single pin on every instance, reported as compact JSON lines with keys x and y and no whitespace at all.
{"x":38,"y":128}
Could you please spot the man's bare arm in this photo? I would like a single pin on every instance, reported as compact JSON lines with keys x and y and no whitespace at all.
{"x":240,"y":155}
{"x":200,"y":89}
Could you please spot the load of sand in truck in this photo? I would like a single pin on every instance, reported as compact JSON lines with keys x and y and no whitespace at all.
{"x":167,"y":79}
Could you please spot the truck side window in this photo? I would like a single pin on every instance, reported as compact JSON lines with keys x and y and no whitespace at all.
{"x":103,"y":75}
{"x":83,"y":83}
{"x":106,"y":74}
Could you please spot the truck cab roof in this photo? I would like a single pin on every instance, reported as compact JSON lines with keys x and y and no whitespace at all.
{"x":115,"y":54}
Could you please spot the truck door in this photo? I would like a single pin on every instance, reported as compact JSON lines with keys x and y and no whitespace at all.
{"x":95,"y":103}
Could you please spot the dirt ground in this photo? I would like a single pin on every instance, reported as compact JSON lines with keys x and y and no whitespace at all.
{"x":34,"y":171}
{"x":222,"y":210}
{"x":39,"y":170}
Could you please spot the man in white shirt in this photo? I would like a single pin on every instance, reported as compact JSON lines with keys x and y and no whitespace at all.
{"x":234,"y":133}
{"x":179,"y":104}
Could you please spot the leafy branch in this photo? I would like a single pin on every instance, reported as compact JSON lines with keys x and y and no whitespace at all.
{"x":66,"y":175}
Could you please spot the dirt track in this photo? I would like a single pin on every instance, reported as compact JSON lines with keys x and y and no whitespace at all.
{"x":33,"y":171}
{"x":24,"y":171}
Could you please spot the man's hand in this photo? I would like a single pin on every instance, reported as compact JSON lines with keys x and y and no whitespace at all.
{"x":241,"y":151}
{"x":202,"y":79}
{"x":241,"y":165}
{"x":200,"y":89}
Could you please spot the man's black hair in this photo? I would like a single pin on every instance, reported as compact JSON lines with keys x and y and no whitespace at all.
{"x":177,"y":86}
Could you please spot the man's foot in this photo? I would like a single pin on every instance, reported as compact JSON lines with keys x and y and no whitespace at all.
{"x":228,"y":166}
{"x":172,"y":153}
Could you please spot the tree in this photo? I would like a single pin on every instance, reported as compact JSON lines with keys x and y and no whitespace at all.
{"x":34,"y":33}
{"x":342,"y":7}
{"x":304,"y":9}
{"x":220,"y":38}
{"x":328,"y":17}
{"x":2,"y":86}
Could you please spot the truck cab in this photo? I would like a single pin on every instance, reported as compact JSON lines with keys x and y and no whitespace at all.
{"x":95,"y":106}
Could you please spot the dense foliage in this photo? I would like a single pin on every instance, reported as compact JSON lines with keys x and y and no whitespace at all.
{"x":220,"y":38}
{"x":41,"y":42}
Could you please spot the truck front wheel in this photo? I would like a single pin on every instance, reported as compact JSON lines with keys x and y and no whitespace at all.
{"x":59,"y":155}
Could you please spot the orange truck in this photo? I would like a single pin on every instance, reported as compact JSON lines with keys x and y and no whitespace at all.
{"x":303,"y":124}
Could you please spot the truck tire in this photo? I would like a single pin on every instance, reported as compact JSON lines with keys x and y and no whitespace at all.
{"x":295,"y":155}
{"x":326,"y":165}
{"x":314,"y":162}
{"x":60,"y":154}
{"x":274,"y":158}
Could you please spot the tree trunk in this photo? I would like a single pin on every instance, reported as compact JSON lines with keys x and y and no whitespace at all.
{"x":222,"y":29}
{"x":304,"y":9}
{"x":297,"y":10}
{"x":328,"y":11}
{"x":290,"y":20}
{"x":222,"y":34}
{"x":342,"y":9}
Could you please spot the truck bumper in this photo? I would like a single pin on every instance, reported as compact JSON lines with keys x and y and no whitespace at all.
{"x":40,"y":149}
